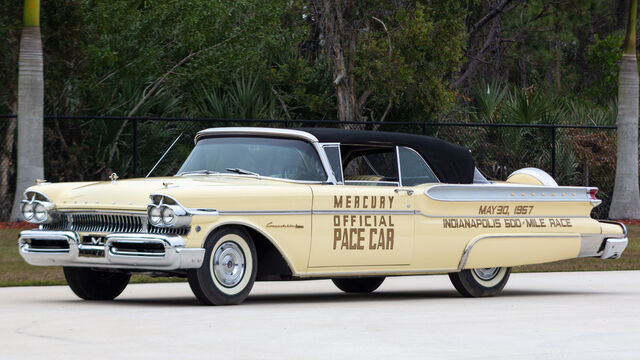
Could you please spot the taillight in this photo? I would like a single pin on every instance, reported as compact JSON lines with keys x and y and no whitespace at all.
{"x":592,"y":193}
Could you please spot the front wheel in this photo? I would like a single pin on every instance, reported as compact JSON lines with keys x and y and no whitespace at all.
{"x":229,"y":268}
{"x":480,"y":282}
{"x":358,"y":285}
{"x":92,"y":284}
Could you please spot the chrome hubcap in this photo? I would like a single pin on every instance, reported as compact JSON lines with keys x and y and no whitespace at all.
{"x":228,"y":264}
{"x":486,"y":273}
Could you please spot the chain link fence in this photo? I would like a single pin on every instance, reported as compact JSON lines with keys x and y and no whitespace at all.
{"x":86,"y":148}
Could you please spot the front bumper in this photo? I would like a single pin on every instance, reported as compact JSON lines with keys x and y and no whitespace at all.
{"x":119,"y":251}
{"x":604,"y":246}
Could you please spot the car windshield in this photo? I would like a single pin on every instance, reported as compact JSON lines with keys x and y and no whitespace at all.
{"x":257,"y":156}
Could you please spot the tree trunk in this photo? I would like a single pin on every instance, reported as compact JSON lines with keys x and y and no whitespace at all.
{"x":625,"y":203}
{"x":626,"y":197}
{"x":522,"y":65}
{"x":30,"y":113}
{"x":340,"y":42}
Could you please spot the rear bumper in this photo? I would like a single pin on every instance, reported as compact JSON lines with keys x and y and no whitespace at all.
{"x":121,"y":251}
{"x":604,"y":246}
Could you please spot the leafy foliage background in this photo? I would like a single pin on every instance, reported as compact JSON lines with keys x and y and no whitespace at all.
{"x":536,"y":62}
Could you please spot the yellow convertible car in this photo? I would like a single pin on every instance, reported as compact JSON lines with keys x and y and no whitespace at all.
{"x":278,"y":204}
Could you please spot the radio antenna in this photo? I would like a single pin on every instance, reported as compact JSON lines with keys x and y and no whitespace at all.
{"x":165,"y":154}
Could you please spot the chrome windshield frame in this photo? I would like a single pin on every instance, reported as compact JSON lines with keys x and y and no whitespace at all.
{"x":275,"y":133}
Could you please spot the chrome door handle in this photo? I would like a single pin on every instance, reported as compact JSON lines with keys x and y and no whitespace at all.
{"x":409,"y":191}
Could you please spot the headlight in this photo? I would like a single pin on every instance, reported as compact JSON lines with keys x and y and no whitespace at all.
{"x":40,"y":212}
{"x":27,"y":210}
{"x":168,"y":215}
{"x":155,"y":216}
{"x":166,"y":212}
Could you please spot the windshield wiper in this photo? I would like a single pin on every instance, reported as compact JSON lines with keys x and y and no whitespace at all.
{"x":243,"y":171}
{"x":204,"y":172}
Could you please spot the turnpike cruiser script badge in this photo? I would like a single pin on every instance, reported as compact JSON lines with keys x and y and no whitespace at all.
{"x":270,"y":224}
{"x":260,"y":204}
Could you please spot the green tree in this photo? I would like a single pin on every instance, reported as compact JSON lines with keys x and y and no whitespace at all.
{"x":388,"y":58}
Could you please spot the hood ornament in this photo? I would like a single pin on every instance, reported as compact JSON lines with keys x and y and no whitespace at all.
{"x":113,"y":177}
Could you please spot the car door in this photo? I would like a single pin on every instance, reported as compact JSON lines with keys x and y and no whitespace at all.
{"x":367,"y":219}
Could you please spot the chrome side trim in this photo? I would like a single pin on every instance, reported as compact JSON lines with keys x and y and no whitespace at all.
{"x":375,"y":273}
{"x":506,"y":193}
{"x":383,"y":183}
{"x":471,"y":244}
{"x":314,"y":212}
{"x":256,"y":131}
{"x":203,"y":212}
{"x":265,"y":212}
{"x":418,"y":212}
{"x":363,"y":212}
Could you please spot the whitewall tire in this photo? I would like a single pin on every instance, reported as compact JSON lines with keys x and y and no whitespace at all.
{"x":228,"y":270}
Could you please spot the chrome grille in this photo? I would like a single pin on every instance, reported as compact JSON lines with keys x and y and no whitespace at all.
{"x":109,"y":223}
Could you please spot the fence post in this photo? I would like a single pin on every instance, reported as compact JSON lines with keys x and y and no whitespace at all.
{"x":135,"y":147}
{"x":553,"y":151}
{"x":424,"y":127}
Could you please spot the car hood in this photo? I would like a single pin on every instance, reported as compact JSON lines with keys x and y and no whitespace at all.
{"x":133,"y":194}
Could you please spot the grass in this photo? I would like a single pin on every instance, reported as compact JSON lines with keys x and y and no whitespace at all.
{"x":14,"y":271}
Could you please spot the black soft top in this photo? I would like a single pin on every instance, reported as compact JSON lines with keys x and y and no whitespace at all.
{"x":451,"y":163}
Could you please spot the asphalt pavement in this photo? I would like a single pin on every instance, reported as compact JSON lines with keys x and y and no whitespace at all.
{"x":580,"y":315}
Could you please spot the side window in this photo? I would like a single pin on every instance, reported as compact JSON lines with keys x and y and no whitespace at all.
{"x":372,"y":166}
{"x":413,"y":169}
{"x":335,"y":160}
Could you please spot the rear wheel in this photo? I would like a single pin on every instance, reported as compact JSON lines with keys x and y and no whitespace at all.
{"x":358,"y":285}
{"x":480,"y":282}
{"x":92,"y":284}
{"x":229,"y":269}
